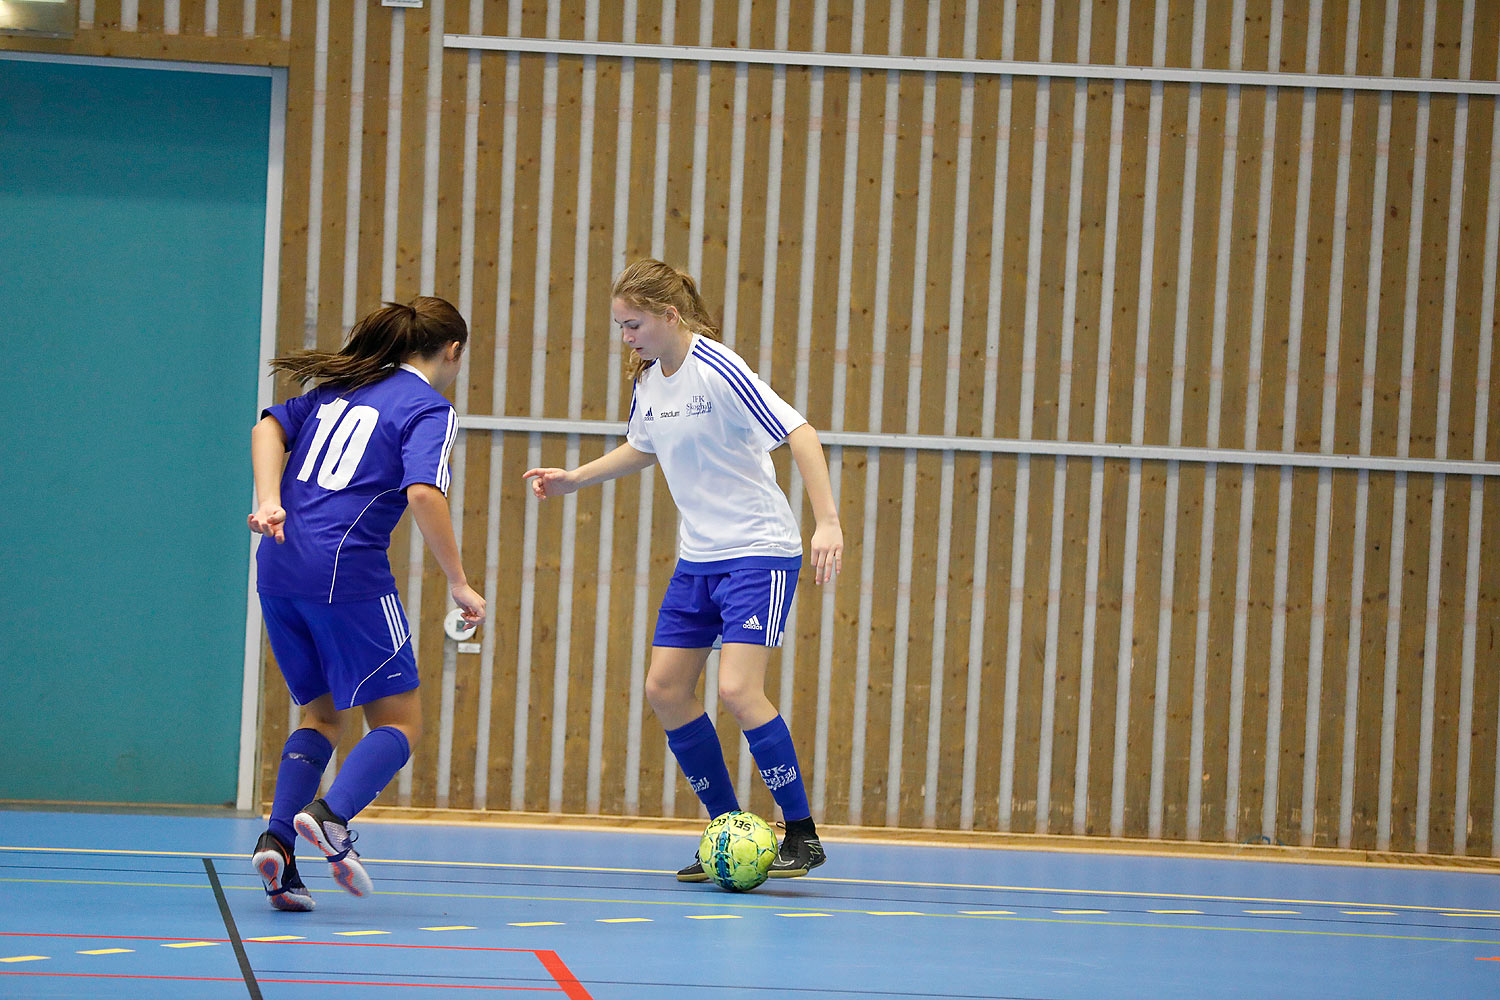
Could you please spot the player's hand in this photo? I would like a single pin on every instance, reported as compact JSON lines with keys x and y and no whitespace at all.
{"x":550,"y":482}
{"x":827,"y":552}
{"x":269,"y":521}
{"x":470,"y":603}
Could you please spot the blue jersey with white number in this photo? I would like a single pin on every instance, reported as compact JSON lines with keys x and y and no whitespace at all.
{"x":351,"y":456}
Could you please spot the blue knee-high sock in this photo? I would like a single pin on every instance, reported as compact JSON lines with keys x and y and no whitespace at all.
{"x":369,"y":767}
{"x":303,"y":761}
{"x":771,"y":745}
{"x":696,"y":747}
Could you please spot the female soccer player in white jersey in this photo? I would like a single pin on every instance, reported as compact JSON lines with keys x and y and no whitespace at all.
{"x":334,"y":470}
{"x":701,"y":413}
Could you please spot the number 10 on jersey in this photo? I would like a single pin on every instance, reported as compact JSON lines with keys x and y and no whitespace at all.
{"x":345,"y":430}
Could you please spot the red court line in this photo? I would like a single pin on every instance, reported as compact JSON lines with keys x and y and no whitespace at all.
{"x":300,"y":982}
{"x":333,"y":944}
{"x":562,"y":976}
{"x":551,"y":961}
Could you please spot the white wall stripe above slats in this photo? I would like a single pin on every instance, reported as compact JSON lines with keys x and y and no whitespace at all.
{"x":986,"y":67}
{"x":1037,"y":446}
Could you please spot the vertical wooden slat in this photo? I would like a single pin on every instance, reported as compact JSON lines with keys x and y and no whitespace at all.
{"x":1292,"y":384}
{"x":1161,"y":692}
{"x":915,"y":356}
{"x":1233,"y":807}
{"x":610,"y":671}
{"x":1399,"y":525}
{"x":500,"y":93}
{"x":876,"y":395}
{"x":1081,"y":779}
{"x":1312,"y":758}
{"x":939,"y":666}
{"x":1041,"y":89}
{"x":768,"y":131}
{"x":1422,"y":819}
{"x":839,"y":737}
{"x":1470,"y":692}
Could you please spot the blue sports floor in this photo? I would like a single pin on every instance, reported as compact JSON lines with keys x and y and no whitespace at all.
{"x":109,"y":905}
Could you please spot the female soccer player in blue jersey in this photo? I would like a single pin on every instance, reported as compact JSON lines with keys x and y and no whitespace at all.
{"x":334,"y":470}
{"x":700,"y":412}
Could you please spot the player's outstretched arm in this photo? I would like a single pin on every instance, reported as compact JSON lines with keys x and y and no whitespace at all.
{"x":828,"y":535}
{"x":430,"y":510}
{"x":560,"y":482}
{"x":267,"y":456}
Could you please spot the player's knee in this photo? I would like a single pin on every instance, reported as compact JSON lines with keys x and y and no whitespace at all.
{"x":739,"y":696}
{"x":329,"y":724}
{"x":662,"y":693}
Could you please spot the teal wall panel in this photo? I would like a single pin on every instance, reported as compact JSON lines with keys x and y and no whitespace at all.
{"x":132,"y":222}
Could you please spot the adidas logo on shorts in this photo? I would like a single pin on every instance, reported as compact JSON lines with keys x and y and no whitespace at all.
{"x":753,"y":623}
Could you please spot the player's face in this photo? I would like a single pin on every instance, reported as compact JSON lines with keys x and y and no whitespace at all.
{"x":645,"y":333}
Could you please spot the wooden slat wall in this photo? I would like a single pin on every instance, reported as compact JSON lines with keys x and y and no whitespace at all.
{"x":522,"y":311}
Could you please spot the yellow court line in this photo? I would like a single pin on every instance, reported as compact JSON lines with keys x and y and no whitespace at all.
{"x":1246,"y":930}
{"x":1368,"y":913}
{"x":1199,"y":912}
{"x":455,"y":927}
{"x":192,"y":944}
{"x":278,"y":937}
{"x":714,"y":916}
{"x":623,"y":920}
{"x":26,"y":958}
{"x":107,"y":951}
{"x":515,"y":866}
{"x":802,"y":914}
{"x":574,"y":899}
{"x":358,"y":933}
{"x":128,"y":885}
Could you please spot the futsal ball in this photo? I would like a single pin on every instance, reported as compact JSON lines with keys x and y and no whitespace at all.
{"x":737,"y":850}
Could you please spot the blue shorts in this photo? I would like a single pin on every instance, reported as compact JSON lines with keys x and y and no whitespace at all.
{"x":358,"y":650}
{"x":741,"y":605}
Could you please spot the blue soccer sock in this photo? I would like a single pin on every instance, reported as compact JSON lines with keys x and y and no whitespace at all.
{"x":696,"y":747}
{"x":303,"y":761}
{"x":771,"y":745}
{"x":369,"y":767}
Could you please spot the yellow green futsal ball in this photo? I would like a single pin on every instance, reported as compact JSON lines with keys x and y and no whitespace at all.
{"x":737,"y":850}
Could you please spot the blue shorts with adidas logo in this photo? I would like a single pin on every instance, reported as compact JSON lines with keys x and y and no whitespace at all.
{"x":742,"y":600}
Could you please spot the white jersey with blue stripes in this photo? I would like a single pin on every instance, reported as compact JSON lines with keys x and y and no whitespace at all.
{"x":712,"y":424}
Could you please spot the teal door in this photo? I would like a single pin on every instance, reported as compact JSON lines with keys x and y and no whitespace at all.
{"x":132,"y":227}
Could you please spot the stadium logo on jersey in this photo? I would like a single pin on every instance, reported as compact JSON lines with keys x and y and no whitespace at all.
{"x":779,"y":776}
{"x":697,"y":406}
{"x":753,"y":623}
{"x":648,"y":413}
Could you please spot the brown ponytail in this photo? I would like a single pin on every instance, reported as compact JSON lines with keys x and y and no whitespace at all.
{"x":383,"y":339}
{"x":657,"y":288}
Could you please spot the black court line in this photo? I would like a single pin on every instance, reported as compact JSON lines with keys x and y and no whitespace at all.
{"x":234,"y":934}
